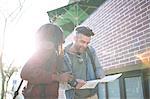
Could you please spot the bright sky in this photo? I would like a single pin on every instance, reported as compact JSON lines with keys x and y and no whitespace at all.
{"x":20,"y":28}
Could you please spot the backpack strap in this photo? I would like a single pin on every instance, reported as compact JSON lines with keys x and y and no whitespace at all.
{"x":67,"y":61}
{"x":92,"y":59}
{"x":17,"y":91}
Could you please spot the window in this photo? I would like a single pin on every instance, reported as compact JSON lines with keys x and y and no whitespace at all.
{"x":131,"y":85}
{"x":133,"y":88}
{"x":102,"y":91}
{"x":149,"y":85}
{"x":113,"y":90}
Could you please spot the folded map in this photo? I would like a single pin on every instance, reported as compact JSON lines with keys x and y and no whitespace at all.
{"x":93,"y":83}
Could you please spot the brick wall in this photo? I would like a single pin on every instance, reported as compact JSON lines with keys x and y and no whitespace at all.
{"x":122,"y":29}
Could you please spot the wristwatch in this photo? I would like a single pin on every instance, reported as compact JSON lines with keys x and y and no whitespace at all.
{"x":73,"y":83}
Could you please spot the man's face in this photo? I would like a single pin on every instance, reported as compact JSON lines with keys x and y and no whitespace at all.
{"x":81,"y":42}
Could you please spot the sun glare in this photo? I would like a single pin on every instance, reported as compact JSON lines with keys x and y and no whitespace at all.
{"x":145,"y":57}
{"x":19,"y":39}
{"x":19,"y":48}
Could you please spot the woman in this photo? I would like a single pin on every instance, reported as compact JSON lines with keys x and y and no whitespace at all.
{"x":42,"y":70}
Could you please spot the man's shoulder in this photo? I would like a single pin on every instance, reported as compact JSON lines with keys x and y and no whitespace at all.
{"x":91,"y":49}
{"x":69,"y":45}
{"x":66,"y":48}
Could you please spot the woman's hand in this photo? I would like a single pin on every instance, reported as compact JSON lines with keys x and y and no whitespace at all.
{"x":65,"y":77}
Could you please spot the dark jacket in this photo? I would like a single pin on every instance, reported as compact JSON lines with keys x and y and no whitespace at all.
{"x":40,"y":71}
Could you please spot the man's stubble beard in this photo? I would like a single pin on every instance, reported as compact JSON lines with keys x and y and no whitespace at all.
{"x":82,"y":50}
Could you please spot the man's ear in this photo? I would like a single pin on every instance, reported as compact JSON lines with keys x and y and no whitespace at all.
{"x":74,"y":37}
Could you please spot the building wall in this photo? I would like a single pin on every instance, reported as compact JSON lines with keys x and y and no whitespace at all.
{"x":122,"y":42}
{"x":122,"y":34}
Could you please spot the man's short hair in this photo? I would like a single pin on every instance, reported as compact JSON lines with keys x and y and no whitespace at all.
{"x":84,"y":30}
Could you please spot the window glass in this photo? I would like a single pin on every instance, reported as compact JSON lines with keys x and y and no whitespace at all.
{"x":133,"y":88}
{"x":149,"y":85}
{"x":113,"y":90}
{"x":101,"y":92}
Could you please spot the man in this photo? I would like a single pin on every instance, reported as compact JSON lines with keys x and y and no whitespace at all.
{"x":82,"y":62}
{"x":42,"y":70}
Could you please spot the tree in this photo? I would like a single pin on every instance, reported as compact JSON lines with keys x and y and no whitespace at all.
{"x":6,"y":71}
